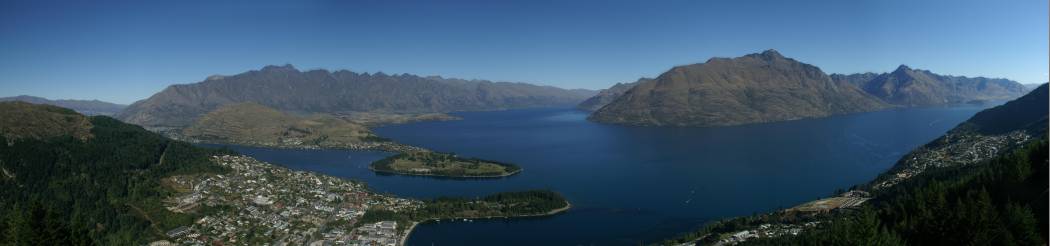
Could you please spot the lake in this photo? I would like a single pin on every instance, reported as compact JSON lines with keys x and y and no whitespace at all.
{"x":631,"y":185}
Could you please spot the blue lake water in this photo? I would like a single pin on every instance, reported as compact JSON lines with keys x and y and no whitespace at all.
{"x":631,"y":185}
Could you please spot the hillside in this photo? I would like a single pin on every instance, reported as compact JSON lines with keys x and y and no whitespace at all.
{"x":87,"y":107}
{"x":606,"y":96}
{"x":285,"y":88}
{"x":755,"y":88}
{"x":983,"y":182}
{"x":102,"y":190}
{"x":914,"y":87}
{"x":1026,"y":113}
{"x":257,"y":125}
{"x":23,"y":120}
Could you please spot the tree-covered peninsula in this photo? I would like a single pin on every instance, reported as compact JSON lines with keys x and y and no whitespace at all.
{"x":429,"y":163}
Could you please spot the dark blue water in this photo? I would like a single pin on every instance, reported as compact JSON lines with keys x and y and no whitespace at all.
{"x":636,"y":184}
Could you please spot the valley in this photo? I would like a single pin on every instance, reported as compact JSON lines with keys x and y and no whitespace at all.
{"x":523,"y":123}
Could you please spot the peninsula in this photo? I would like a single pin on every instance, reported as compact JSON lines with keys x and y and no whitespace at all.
{"x":429,"y":163}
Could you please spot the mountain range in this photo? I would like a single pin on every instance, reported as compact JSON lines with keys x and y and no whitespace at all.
{"x":769,"y":87}
{"x":286,"y":88}
{"x":87,"y":107}
{"x":914,"y":87}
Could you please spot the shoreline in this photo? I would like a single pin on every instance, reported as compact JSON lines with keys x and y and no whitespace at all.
{"x":408,"y":231}
{"x":370,"y":167}
{"x":391,"y":147}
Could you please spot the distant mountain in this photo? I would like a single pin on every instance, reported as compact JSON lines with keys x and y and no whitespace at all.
{"x":606,"y":96}
{"x":857,"y":79}
{"x":913,"y":87}
{"x":1026,"y":113}
{"x":254,"y":124}
{"x":755,"y":88}
{"x":87,"y":107}
{"x":288,"y":89}
{"x":1032,"y":86}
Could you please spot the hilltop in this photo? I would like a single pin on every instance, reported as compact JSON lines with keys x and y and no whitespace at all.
{"x":258,"y":125}
{"x":24,"y":120}
{"x":755,"y":88}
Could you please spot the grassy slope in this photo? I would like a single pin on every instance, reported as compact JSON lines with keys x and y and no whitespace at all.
{"x":254,"y":123}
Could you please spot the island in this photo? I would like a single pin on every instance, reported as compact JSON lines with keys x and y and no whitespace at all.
{"x":430,"y":163}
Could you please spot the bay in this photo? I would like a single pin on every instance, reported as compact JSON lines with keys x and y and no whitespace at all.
{"x":631,"y":185}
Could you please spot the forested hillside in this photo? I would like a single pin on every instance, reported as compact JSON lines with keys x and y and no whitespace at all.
{"x":102,"y":190}
{"x":1001,"y":202}
{"x":984,"y":183}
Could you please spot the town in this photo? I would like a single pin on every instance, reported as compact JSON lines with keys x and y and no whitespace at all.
{"x":258,"y":203}
{"x":954,"y":149}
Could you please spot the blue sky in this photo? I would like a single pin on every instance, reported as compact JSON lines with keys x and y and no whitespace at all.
{"x":126,"y":51}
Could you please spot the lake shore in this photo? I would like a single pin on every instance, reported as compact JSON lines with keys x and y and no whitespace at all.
{"x":370,"y":167}
{"x":408,"y":232}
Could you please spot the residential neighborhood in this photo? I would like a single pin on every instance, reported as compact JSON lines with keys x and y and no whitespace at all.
{"x":257,"y":203}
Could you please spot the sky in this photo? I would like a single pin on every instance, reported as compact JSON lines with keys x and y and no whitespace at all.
{"x":123,"y":51}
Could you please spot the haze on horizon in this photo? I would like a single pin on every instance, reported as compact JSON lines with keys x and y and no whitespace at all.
{"x":126,"y":51}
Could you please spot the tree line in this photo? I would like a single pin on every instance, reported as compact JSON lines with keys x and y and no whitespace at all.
{"x":101,"y":191}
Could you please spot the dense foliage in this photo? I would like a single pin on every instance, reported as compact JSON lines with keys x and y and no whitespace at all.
{"x":104,"y":190}
{"x":1000,"y":202}
{"x":506,"y":204}
{"x":467,"y":167}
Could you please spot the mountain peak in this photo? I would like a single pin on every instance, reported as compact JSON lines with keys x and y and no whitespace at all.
{"x":772,"y":53}
{"x":768,"y":55}
{"x":275,"y":68}
{"x":215,"y":77}
{"x":903,"y":67}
